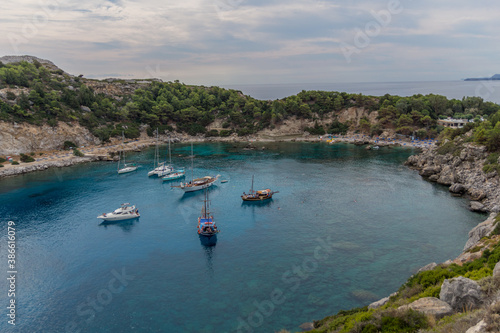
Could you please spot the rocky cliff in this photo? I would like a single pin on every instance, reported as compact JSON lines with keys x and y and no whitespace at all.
{"x":26,"y":138}
{"x":462,"y":171}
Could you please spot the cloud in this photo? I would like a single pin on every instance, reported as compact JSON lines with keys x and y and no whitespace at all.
{"x":244,"y":41}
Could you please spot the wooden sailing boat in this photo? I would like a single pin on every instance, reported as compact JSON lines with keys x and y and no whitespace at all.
{"x":206,"y":223}
{"x":258,"y":195}
{"x":197,"y":184}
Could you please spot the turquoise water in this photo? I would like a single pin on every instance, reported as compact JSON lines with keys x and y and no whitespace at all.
{"x":348,"y":227}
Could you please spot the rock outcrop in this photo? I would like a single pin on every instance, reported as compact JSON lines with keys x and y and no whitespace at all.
{"x":26,"y":138}
{"x":461,"y":293}
{"x":462,"y":170}
{"x":430,"y":306}
{"x":46,"y":165}
{"x":481,"y":230}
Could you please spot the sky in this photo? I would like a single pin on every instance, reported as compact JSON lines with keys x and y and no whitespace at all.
{"x":217,"y":42}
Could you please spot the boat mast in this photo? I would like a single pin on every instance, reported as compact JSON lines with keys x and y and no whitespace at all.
{"x":157,"y":152}
{"x":192,"y":164}
{"x":251,"y":190}
{"x":169,"y":153}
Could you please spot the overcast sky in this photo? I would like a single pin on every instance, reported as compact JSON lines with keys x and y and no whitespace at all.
{"x":216,"y":42}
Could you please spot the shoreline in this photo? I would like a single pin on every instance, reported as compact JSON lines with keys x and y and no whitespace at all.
{"x":62,"y":158}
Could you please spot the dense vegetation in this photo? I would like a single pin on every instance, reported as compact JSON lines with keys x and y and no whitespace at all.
{"x":48,"y":96}
{"x":424,"y":284}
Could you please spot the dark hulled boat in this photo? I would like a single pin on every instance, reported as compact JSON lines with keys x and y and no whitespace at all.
{"x":258,"y":195}
{"x":206,"y":223}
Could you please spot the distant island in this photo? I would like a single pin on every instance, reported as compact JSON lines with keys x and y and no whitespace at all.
{"x":494,"y":77}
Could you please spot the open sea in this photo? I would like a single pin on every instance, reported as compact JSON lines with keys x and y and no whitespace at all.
{"x":347,"y":227}
{"x":488,"y":90}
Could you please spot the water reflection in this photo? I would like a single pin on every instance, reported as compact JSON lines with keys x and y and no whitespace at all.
{"x":208,"y":245}
{"x":125,"y":225}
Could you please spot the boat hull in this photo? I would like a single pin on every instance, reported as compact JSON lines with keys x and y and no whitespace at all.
{"x":196,"y":187}
{"x":119,"y":218}
{"x":127,"y":170}
{"x":256,"y":199}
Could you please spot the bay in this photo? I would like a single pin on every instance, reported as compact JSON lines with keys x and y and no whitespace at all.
{"x":488,"y":90}
{"x":348,"y":226}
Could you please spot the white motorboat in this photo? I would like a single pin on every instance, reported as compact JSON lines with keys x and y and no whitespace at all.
{"x":125,"y":212}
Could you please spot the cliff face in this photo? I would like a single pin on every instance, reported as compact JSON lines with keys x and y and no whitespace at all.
{"x":463,"y":172}
{"x":25,"y":138}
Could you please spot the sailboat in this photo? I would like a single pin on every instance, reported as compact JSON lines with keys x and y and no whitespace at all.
{"x":206,"y":224}
{"x":166,"y":169}
{"x":258,"y":195}
{"x":198,"y":183}
{"x":156,"y":165}
{"x":159,"y":168}
{"x":126,"y":167}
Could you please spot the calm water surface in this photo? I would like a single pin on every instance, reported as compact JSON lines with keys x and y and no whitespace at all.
{"x":348,"y":227}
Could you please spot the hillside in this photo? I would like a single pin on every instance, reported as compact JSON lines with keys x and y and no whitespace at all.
{"x":36,"y":92}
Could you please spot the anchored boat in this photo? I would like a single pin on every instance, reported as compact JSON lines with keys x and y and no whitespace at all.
{"x":258,"y":195}
{"x":125,"y":212}
{"x":198,"y":183}
{"x":206,"y":223}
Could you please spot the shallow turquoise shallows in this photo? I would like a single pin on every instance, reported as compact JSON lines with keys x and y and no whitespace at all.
{"x":347,"y":227}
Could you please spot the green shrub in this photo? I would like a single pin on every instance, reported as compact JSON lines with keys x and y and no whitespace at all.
{"x":336,"y":127}
{"x":11,"y":96}
{"x":14,"y":163}
{"x":68,"y":145}
{"x":78,"y":153}
{"x":2,"y":160}
{"x":316,"y":130}
{"x":493,"y":158}
{"x":449,"y":147}
{"x":225,"y":133}
{"x":1,"y":165}
{"x":27,"y":158}
{"x":212,"y":132}
{"x":479,"y":274}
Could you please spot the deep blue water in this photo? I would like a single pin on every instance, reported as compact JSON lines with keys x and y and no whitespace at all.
{"x":348,"y":227}
{"x":488,"y":90}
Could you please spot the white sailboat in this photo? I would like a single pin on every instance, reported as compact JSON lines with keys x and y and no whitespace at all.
{"x":156,"y":162}
{"x":198,"y":183}
{"x":126,"y":167}
{"x":166,"y":169}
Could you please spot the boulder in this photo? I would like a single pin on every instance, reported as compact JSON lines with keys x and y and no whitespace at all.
{"x":430,"y":306}
{"x":429,"y":171}
{"x":496,"y":270}
{"x":478,"y":232}
{"x":461,"y":294}
{"x":434,"y":178}
{"x":306,"y":327}
{"x":478,"y":328}
{"x":378,"y":303}
{"x":476,"y":206}
{"x":428,"y":267}
{"x":477,"y":194}
{"x":447,"y":176}
{"x":457,"y":188}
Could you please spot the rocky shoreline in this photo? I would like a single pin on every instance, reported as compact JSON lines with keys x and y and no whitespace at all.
{"x":462,"y":172}
{"x":108,"y":152}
